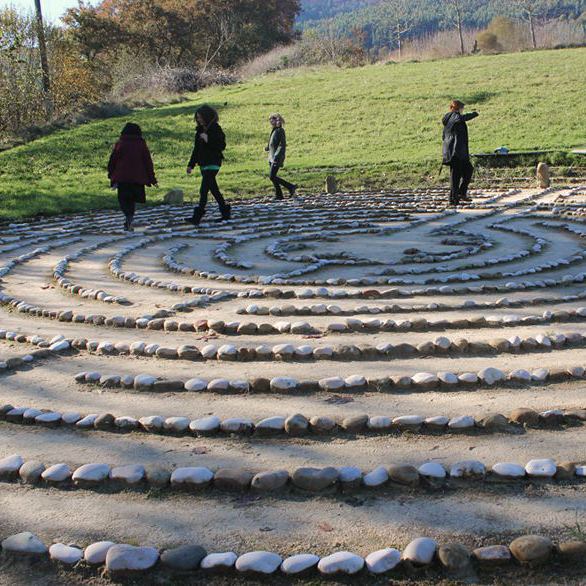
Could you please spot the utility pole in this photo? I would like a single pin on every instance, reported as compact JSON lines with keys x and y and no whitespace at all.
{"x":44,"y":60}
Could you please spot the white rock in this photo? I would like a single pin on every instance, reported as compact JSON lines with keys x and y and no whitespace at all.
{"x":217,"y":561}
{"x":260,"y":562}
{"x":87,"y":421}
{"x":283,"y":383}
{"x":10,"y":464}
{"x":355,"y":381}
{"x":195,"y":384}
{"x":299,"y":563}
{"x":71,"y":418}
{"x":209,"y":351}
{"x":195,"y":475}
{"x":349,"y":474}
{"x":379,"y":422}
{"x":424,"y":378}
{"x":131,"y":473}
{"x":540,"y":374}
{"x":470,"y":378}
{"x":509,"y":470}
{"x":490,"y":375}
{"x":341,"y":562}
{"x":442,"y":343}
{"x":437,"y":421}
{"x":383,"y":560}
{"x":448,"y":378}
{"x":541,"y":468}
{"x":275,"y":423}
{"x":376,"y":478}
{"x":152,"y":422}
{"x":236,"y":424}
{"x":432,"y":470}
{"x":219,"y":385}
{"x":24,"y":542}
{"x":520,"y":374}
{"x":461,"y":422}
{"x":332,"y":383}
{"x":408,"y":420}
{"x":56,"y":473}
{"x":59,"y":346}
{"x":205,"y":424}
{"x":420,"y":551}
{"x":177,"y":424}
{"x":123,"y":557}
{"x":96,"y":552}
{"x":467,"y":469}
{"x":91,"y":473}
{"x":65,"y":553}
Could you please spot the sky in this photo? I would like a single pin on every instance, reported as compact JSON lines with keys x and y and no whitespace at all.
{"x":52,"y":9}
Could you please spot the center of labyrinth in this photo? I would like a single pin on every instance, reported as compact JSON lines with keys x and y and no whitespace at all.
{"x":348,"y":383}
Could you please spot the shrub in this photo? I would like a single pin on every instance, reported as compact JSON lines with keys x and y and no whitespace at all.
{"x":488,"y":42}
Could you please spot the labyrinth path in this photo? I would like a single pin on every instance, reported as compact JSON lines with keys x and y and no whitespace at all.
{"x":343,"y":372}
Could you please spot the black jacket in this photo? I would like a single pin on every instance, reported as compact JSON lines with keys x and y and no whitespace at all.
{"x":455,"y":136}
{"x":210,"y":152}
{"x":277,"y":146}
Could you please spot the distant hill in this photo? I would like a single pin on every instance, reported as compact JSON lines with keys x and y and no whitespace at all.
{"x":370,"y":16}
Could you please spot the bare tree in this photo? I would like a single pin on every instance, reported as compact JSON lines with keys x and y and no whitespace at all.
{"x":455,"y":11}
{"x":400,"y":14}
{"x":530,"y":11}
{"x":44,"y":60}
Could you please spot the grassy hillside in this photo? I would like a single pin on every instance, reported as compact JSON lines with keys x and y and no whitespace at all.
{"x":379,"y":125}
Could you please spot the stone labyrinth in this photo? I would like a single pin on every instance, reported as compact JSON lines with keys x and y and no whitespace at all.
{"x":366,"y":382}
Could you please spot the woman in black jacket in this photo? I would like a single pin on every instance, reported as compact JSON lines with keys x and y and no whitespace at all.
{"x":210,"y":143}
{"x":455,"y":151}
{"x":276,"y":149}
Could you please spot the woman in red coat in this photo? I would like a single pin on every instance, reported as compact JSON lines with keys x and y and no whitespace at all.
{"x":130,"y":168}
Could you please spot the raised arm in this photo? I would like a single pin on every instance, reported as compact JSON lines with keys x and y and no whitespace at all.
{"x":469,"y":116}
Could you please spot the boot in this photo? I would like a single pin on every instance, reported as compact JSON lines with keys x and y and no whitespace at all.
{"x":197,"y":216}
{"x":225,"y":213}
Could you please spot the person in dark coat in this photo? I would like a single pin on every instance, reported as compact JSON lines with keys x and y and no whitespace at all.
{"x":455,"y":151}
{"x":277,"y":149}
{"x":130,"y":168}
{"x":210,"y":143}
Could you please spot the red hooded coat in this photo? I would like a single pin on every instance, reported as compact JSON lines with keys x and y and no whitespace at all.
{"x":131,"y":162}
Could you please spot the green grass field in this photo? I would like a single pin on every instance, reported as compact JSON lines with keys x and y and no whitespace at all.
{"x":373,"y":126}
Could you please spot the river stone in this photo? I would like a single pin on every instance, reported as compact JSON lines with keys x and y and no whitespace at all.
{"x":56,"y":473}
{"x":237,"y":425}
{"x":206,"y":425}
{"x":104,"y":421}
{"x":494,"y":421}
{"x":270,"y":425}
{"x":526,"y":416}
{"x":350,"y":477}
{"x":233,"y":479}
{"x":454,"y":557}
{"x":532,"y":549}
{"x":541,"y":468}
{"x":130,"y":474}
{"x":469,"y":469}
{"x":124,"y":557}
{"x":10,"y":466}
{"x":144,"y":382}
{"x":91,"y":473}
{"x":270,"y":481}
{"x":412,"y":422}
{"x":426,"y":380}
{"x":31,"y":471}
{"x":184,"y":557}
{"x":219,"y":385}
{"x":492,"y":555}
{"x":322,"y":424}
{"x":282,"y":384}
{"x":299,"y":565}
{"x":296,"y":424}
{"x":490,"y":375}
{"x":193,"y":476}
{"x":436,"y":422}
{"x":376,"y":478}
{"x":65,"y":554}
{"x":314,"y":479}
{"x":176,"y":424}
{"x":572,"y":550}
{"x":219,"y":562}
{"x":383,"y":560}
{"x":468,"y":378}
{"x":152,"y":423}
{"x":420,"y":551}
{"x":195,"y":385}
{"x":508,"y":470}
{"x":49,"y":419}
{"x":461,"y":422}
{"x":379,"y":423}
{"x":340,"y":563}
{"x":259,"y":562}
{"x":96,"y":552}
{"x":25,"y":543}
{"x":565,"y":470}
{"x":332,"y":383}
{"x":354,"y":423}
{"x":432,"y":470}
{"x":447,"y":378}
{"x":157,"y":476}
{"x":403,"y":474}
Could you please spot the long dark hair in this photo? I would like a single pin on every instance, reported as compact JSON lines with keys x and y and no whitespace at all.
{"x":208,"y":114}
{"x":131,"y":129}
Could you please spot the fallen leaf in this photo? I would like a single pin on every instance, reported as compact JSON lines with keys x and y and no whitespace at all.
{"x":339,"y":400}
{"x":266,"y":529}
{"x":324,"y":526}
{"x":200,"y":450}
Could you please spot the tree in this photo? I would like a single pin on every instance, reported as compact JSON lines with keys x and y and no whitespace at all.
{"x":400,"y":14}
{"x":455,"y":11}
{"x":530,"y":11}
{"x":44,"y":60}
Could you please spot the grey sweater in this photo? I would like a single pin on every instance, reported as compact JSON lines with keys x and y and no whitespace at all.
{"x":277,"y":146}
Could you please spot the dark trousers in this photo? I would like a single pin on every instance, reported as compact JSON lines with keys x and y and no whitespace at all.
{"x":460,"y":174}
{"x":277,"y":181}
{"x":209,"y":183}
{"x":128,"y":195}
